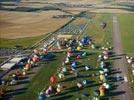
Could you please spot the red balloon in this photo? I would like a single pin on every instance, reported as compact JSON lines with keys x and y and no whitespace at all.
{"x":53,"y":79}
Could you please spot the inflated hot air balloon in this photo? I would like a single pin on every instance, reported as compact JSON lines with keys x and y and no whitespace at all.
{"x":69,"y":54}
{"x":18,"y":73}
{"x":102,"y":90}
{"x":102,"y":77}
{"x":42,"y":96}
{"x":27,"y":67}
{"x":74,"y":64}
{"x":93,"y":46}
{"x":106,"y":85}
{"x":69,"y":48}
{"x":105,"y":57}
{"x":45,"y":50}
{"x":61,"y":75}
{"x":59,"y":88}
{"x":102,"y":93}
{"x":53,"y":79}
{"x":78,"y":48}
{"x":86,"y":40}
{"x":84,"y":54}
{"x":78,"y":57}
{"x":85,"y":82}
{"x":79,"y":85}
{"x":64,"y":69}
{"x":24,"y":72}
{"x":35,"y":51}
{"x":35,"y":59}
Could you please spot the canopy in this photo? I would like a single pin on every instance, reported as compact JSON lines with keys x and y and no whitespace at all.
{"x":7,"y":66}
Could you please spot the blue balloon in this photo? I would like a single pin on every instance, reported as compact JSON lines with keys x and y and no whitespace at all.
{"x":85,"y":40}
{"x":74,"y":64}
{"x":42,"y":97}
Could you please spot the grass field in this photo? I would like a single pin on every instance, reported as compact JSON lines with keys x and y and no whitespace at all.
{"x":127,"y":31}
{"x":41,"y":80}
{"x":99,"y":35}
{"x":24,"y":42}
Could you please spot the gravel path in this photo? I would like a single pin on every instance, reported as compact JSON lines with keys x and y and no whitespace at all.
{"x":119,"y":64}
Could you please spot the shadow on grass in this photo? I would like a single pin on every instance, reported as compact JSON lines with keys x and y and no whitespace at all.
{"x":94,"y":85}
{"x":115,"y":58}
{"x":67,"y":97}
{"x":23,"y":78}
{"x":112,"y":79}
{"x":30,"y":73}
{"x":60,"y":94}
{"x":113,"y":87}
{"x":12,"y":93}
{"x":114,"y":72}
{"x":117,"y":55}
{"x":72,"y":89}
{"x":69,"y":79}
{"x":23,"y":82}
{"x":116,"y":93}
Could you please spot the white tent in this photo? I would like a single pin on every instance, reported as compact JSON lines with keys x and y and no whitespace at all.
{"x":7,"y":66}
{"x":11,"y":63}
{"x":16,"y":59}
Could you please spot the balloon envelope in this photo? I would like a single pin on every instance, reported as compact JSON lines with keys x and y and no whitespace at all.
{"x":53,"y":79}
{"x":85,"y":40}
{"x":42,"y":97}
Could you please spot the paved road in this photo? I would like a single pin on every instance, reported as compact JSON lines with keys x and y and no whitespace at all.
{"x":120,"y":63}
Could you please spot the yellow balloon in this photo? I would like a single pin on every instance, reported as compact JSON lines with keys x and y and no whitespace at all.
{"x":78,"y":48}
{"x":69,"y":48}
{"x":102,"y":93}
{"x":101,"y":77}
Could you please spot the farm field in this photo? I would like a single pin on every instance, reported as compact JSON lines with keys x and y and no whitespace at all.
{"x":19,"y":25}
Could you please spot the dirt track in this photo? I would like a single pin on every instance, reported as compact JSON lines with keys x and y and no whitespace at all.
{"x":123,"y":88}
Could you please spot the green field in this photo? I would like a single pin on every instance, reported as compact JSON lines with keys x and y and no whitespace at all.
{"x":99,"y":35}
{"x":41,"y":79}
{"x":24,"y":42}
{"x":127,"y":31}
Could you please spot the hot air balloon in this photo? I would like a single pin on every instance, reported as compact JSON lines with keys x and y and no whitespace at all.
{"x":78,"y":48}
{"x":102,"y":90}
{"x":42,"y":96}
{"x":36,"y":51}
{"x":53,"y":79}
